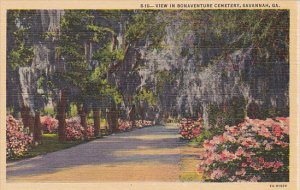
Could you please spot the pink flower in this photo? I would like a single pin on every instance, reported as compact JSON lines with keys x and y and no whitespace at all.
{"x":242,"y":172}
{"x":264,"y":132}
{"x":261,"y":160}
{"x":226,"y":155}
{"x":284,"y":120}
{"x":229,"y":137}
{"x":207,"y":145}
{"x":17,"y":141}
{"x":217,"y":174}
{"x":209,"y":161}
{"x":268,"y":164}
{"x":278,"y":164}
{"x":239,"y":151}
{"x":218,"y":139}
{"x":255,"y":179}
{"x":252,"y":137}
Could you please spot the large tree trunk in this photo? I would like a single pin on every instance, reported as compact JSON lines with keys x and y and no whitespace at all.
{"x":142,"y":112}
{"x":61,"y":116}
{"x":114,"y":120}
{"x":37,"y":131}
{"x":108,"y":121}
{"x":83,"y":116}
{"x":96,"y":115}
{"x":27,"y":118}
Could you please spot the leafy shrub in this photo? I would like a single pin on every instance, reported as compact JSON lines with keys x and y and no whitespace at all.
{"x":74,"y":130}
{"x":189,"y":129}
{"x":204,"y":135}
{"x":17,"y":141}
{"x":49,"y":124}
{"x":257,"y":111}
{"x":254,"y":150}
{"x":231,"y":113}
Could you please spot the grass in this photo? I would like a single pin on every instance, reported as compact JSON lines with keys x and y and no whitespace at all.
{"x":204,"y":135}
{"x":50,"y":143}
{"x":189,"y":170}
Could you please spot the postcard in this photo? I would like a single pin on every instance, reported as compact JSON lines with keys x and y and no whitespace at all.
{"x":149,"y":94}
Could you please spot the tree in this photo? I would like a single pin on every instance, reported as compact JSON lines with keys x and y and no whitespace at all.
{"x":80,"y":36}
{"x":20,"y":51}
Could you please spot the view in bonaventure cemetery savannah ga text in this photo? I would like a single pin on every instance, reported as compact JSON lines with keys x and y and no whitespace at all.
{"x":147,"y":95}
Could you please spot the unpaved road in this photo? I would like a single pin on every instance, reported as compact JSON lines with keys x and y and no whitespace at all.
{"x":148,"y":154}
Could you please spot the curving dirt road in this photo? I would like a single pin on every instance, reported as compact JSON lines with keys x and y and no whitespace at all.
{"x":148,"y":154}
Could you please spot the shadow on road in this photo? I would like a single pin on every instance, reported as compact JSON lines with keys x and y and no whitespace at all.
{"x":156,"y":144}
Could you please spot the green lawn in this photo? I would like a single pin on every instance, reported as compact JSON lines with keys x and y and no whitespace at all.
{"x":50,"y":143}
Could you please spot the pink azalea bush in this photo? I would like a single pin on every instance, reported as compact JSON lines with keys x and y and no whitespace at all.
{"x":127,"y":125}
{"x":189,"y":129}
{"x":17,"y":141}
{"x":90,"y":131}
{"x":75,"y":131}
{"x":124,"y":125}
{"x":254,"y":150}
{"x":49,"y":124}
{"x":143,"y":123}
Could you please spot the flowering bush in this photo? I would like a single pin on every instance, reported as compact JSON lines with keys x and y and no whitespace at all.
{"x":124,"y":125}
{"x":90,"y":131}
{"x":189,"y":129}
{"x":49,"y":124}
{"x":17,"y":141}
{"x":74,"y":130}
{"x":127,"y":125}
{"x":254,"y":150}
{"x":143,"y":123}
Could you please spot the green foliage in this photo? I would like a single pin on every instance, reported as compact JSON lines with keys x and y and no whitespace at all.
{"x":137,"y":29}
{"x":21,"y":52}
{"x":205,"y":134}
{"x":73,"y":110}
{"x":40,"y":82}
{"x":263,"y":111}
{"x":112,"y":92}
{"x":146,"y":24}
{"x":104,"y":56}
{"x":225,"y":30}
{"x":49,"y":111}
{"x":79,"y":30}
{"x":165,"y":78}
{"x":231,"y":113}
{"x":146,"y":96}
{"x":119,"y":54}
